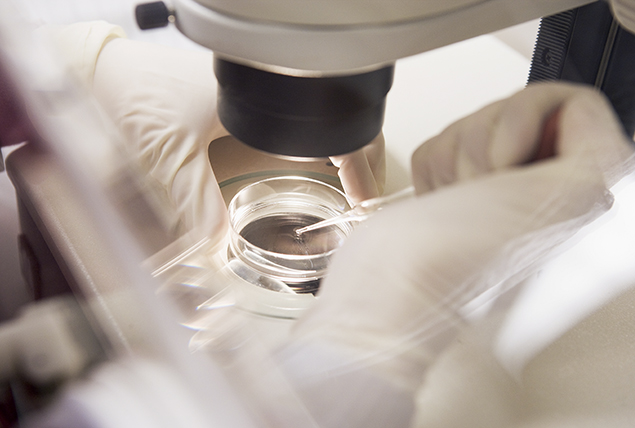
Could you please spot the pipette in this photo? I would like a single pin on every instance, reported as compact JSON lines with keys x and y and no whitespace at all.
{"x":360,"y":211}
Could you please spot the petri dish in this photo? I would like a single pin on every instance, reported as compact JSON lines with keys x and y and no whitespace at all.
{"x":263,"y":219}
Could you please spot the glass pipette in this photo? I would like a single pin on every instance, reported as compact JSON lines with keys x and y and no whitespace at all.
{"x":360,"y":211}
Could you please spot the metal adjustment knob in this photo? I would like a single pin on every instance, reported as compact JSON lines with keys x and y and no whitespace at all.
{"x":152,"y":15}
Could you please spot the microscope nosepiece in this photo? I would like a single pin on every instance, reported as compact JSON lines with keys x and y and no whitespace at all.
{"x":307,"y":117}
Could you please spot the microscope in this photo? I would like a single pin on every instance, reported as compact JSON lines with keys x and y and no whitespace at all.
{"x":315,"y":84}
{"x":299,"y":79}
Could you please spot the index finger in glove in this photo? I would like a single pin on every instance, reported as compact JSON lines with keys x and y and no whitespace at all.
{"x":509,"y":132}
{"x":363,"y":172}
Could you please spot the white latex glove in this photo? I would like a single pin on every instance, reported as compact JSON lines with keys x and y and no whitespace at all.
{"x":395,"y":289}
{"x":363,"y":172}
{"x":163,"y":102}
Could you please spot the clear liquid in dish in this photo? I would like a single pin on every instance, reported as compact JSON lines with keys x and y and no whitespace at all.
{"x":277,"y":233}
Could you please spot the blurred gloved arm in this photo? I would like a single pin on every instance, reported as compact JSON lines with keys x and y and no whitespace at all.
{"x":395,"y":291}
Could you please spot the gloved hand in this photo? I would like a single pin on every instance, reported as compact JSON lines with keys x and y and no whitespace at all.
{"x":162,"y":100}
{"x":395,"y":290}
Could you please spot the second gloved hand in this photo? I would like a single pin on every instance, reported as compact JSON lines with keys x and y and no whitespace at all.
{"x":395,"y":290}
